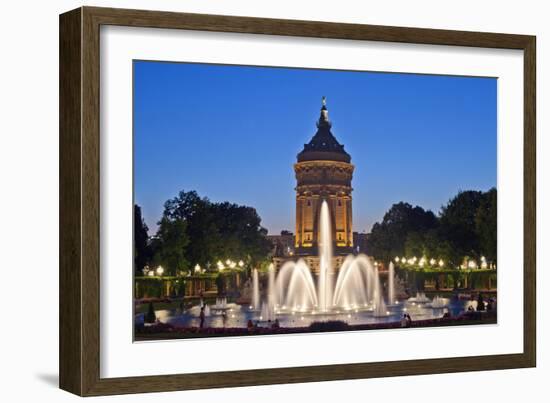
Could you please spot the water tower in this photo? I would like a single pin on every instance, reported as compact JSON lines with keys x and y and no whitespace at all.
{"x":323,"y":172}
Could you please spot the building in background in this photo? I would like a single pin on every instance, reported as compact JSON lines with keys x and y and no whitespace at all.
{"x":283,"y":244}
{"x":360,"y":242}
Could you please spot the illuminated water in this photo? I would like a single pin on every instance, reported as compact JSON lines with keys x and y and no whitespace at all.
{"x":296,"y":299}
{"x":238,"y":315}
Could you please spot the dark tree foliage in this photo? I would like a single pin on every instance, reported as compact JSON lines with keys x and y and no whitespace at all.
{"x":486,"y":224}
{"x":241,"y":232}
{"x":466,"y":226}
{"x":426,"y":243}
{"x":170,"y":246}
{"x":458,"y":225}
{"x":142,"y":251}
{"x":184,"y":206}
{"x":218,"y":231}
{"x":414,"y":244}
{"x":201,"y":228}
{"x":388,"y":238}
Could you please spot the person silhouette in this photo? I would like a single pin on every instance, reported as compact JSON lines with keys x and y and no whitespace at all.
{"x":224,"y":318}
{"x":202,"y":316}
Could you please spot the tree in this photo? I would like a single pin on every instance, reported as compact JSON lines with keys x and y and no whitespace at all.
{"x":486,"y":225}
{"x":388,"y":238}
{"x":142,"y":251}
{"x":184,"y":206}
{"x":458,"y":225}
{"x":170,"y":245}
{"x":434,"y":246}
{"x":240,"y":230}
{"x":414,"y":244}
{"x":466,"y":227}
{"x":201,"y":230}
{"x":218,"y":231}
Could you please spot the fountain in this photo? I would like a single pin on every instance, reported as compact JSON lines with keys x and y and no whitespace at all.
{"x":420,"y":298}
{"x":296,"y":296}
{"x":357,"y":284}
{"x":350,"y":290}
{"x":271,"y":295}
{"x":438,"y":302}
{"x":391,"y":284}
{"x":295,"y":288}
{"x":255,"y":290}
{"x":267,"y":313}
{"x":324,"y":291}
{"x":221,"y":304}
{"x":379,"y":304}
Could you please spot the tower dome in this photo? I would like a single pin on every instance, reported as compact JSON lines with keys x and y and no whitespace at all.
{"x":323,"y":145}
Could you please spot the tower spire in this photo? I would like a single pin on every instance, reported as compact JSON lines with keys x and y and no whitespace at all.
{"x":323,"y":119}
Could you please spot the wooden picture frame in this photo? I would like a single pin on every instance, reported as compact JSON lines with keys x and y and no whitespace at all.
{"x":80,"y":198}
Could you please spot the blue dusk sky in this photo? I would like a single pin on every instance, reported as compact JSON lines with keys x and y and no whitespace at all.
{"x":232,"y":133}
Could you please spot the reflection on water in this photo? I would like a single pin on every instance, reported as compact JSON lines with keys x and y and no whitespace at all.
{"x":238,"y":315}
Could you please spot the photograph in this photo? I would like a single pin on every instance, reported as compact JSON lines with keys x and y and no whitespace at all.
{"x":247,"y":201}
{"x":283,"y":200}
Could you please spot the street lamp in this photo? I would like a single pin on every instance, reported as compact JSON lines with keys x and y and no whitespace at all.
{"x":160,"y":270}
{"x":483,"y":262}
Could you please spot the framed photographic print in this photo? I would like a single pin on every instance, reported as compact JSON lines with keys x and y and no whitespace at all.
{"x":270,"y":201}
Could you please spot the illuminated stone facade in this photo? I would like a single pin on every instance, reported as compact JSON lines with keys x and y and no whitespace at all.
{"x":323,"y":172}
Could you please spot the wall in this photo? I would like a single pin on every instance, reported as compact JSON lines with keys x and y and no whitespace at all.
{"x":29,"y":201}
